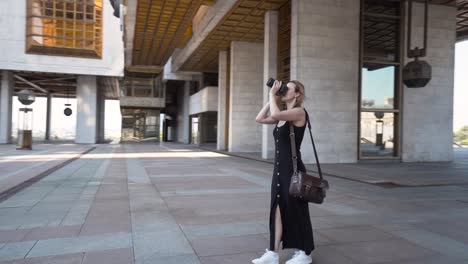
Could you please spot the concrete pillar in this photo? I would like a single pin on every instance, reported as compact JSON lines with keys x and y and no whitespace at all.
{"x":87,"y":108}
{"x":427,"y":132}
{"x":270,"y":54}
{"x":101,"y":113}
{"x":202,"y":127}
{"x":48,"y":116}
{"x":6,"y":98}
{"x":183,"y":119}
{"x":325,"y":57}
{"x":246,"y":96}
{"x":206,"y":124}
{"x":223,"y":104}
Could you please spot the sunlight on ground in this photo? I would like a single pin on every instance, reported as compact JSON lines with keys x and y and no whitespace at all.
{"x":29,"y":158}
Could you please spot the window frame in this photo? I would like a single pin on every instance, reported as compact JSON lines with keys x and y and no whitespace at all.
{"x":84,"y":35}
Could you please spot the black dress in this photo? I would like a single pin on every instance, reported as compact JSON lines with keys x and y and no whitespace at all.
{"x":297,"y":228}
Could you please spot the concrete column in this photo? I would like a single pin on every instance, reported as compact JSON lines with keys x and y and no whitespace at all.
{"x":325,"y":58}
{"x":101,"y":116}
{"x":202,"y":127}
{"x":6,"y":98}
{"x":270,"y":69}
{"x":246,"y":96}
{"x":222,"y":99}
{"x":427,"y":133}
{"x":87,"y":108}
{"x":183,"y":119}
{"x":48,"y":116}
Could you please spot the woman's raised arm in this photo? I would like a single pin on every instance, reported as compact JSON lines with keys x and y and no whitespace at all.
{"x":263,"y":117}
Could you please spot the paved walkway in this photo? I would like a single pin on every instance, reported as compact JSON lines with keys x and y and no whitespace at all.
{"x":21,"y":168}
{"x":389,"y":173}
{"x":145,"y":203}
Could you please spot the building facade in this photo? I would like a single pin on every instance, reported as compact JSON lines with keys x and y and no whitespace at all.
{"x":349,"y":54}
{"x":201,"y":65}
{"x":59,"y":49}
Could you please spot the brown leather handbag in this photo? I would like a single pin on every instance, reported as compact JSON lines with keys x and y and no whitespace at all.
{"x":304,"y":186}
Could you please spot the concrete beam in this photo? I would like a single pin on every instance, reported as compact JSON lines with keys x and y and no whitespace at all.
{"x":33,"y":85}
{"x":212,"y":18}
{"x":168,"y":74}
{"x":129,"y":27}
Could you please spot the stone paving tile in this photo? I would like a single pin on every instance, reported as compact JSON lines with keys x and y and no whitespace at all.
{"x":320,"y":239}
{"x":185,"y":259}
{"x":153,"y":221}
{"x":13,"y":235}
{"x":229,"y":259}
{"x":110,"y":211}
{"x":52,"y":232}
{"x":431,"y":260}
{"x":355,"y":234}
{"x":219,"y":230}
{"x":435,"y":242}
{"x":113,"y":256}
{"x":22,"y":168}
{"x":381,"y":251}
{"x":229,"y":245}
{"x":16,"y":250}
{"x":149,"y":245}
{"x":61,"y":259}
{"x":451,"y":230}
{"x":61,"y":246}
{"x":329,"y":255}
{"x":183,"y":170}
{"x":206,"y":183}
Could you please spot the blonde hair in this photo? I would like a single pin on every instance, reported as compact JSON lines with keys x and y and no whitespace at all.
{"x":299,"y":88}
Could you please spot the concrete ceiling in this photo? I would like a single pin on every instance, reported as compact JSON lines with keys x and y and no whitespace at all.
{"x":244,"y":22}
{"x":159,"y":27}
{"x":462,"y":20}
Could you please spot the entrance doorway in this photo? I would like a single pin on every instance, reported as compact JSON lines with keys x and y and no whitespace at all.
{"x":140,"y":124}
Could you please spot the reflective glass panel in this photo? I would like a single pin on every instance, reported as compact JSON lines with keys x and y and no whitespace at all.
{"x":377,"y":134}
{"x":378,"y":86}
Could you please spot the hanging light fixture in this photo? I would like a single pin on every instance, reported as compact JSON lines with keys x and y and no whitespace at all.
{"x":417,"y":73}
{"x":67,"y":111}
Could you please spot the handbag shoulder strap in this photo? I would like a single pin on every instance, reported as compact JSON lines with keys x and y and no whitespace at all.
{"x":313,"y":145}
{"x":292,"y":139}
{"x":293,"y":145}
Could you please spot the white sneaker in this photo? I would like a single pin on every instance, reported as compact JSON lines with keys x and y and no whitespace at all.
{"x":270,"y":257}
{"x":300,"y":257}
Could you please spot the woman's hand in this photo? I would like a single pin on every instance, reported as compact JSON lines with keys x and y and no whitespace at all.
{"x":275,"y":88}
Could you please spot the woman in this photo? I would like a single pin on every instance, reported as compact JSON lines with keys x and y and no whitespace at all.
{"x":289,"y":217}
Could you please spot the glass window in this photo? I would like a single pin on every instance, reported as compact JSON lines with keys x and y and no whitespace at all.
{"x":141,"y":87}
{"x":378,"y":86}
{"x":380,"y":79}
{"x":377,"y":134}
{"x":59,"y":27}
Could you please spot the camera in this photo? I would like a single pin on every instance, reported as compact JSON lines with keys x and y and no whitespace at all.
{"x":282,"y":90}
